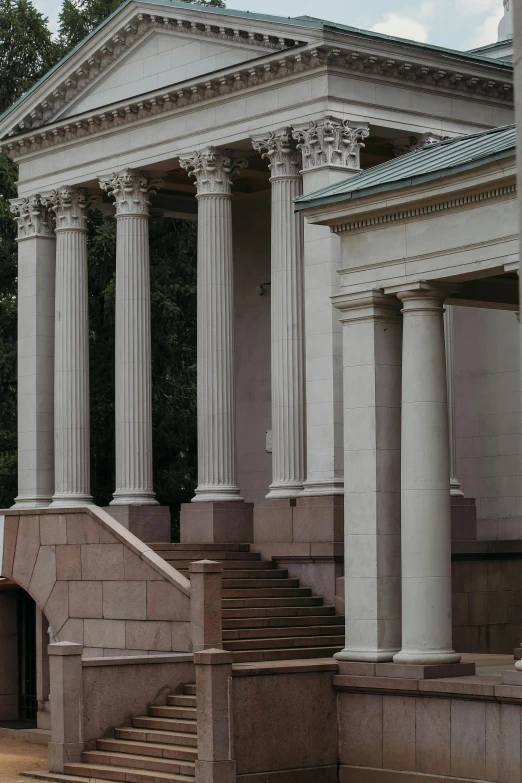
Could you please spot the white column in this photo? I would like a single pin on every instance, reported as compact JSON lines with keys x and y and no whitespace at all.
{"x":455,"y":489}
{"x":287,"y":291}
{"x":131,"y":191}
{"x":217,"y":469}
{"x":331,"y":149}
{"x":36,"y":281}
{"x":372,"y":340}
{"x":71,"y":368}
{"x":425,"y":497}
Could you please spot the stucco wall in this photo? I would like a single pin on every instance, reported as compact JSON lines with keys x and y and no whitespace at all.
{"x":487,"y":408}
{"x":251,"y":218}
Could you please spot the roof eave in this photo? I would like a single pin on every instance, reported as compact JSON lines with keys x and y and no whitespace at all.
{"x":402,"y":184}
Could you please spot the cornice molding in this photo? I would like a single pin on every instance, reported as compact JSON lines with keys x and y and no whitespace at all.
{"x":25,"y":140}
{"x":426,"y":209}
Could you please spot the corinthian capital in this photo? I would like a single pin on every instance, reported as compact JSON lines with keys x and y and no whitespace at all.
{"x":130,"y":191}
{"x":33,"y":217}
{"x":281,"y":151}
{"x":331,"y":142}
{"x":70,"y":207}
{"x":213,"y":171}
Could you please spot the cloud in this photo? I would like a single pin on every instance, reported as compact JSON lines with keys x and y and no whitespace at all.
{"x":402,"y":27}
{"x":487,"y":32}
{"x":479,"y":6}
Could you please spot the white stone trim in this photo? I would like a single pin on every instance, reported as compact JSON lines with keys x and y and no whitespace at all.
{"x":425,"y":209}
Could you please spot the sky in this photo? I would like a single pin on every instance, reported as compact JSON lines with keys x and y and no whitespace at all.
{"x":457,"y":24}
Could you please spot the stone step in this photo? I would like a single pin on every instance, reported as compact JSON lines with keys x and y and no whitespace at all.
{"x":159,"y":736}
{"x":146,"y":748}
{"x":170,"y":547}
{"x":145,"y":763}
{"x":315,"y":619}
{"x":96,"y":772}
{"x":190,"y":688}
{"x":171,"y":556}
{"x":268,"y":592}
{"x":166,"y":724}
{"x":181,"y":700}
{"x":228,"y":565}
{"x":284,"y":642}
{"x":287,"y":654}
{"x":246,"y":573}
{"x":268,"y":613}
{"x":271,"y":632}
{"x":180,"y":713}
{"x":259,"y":584}
{"x":269,"y":603}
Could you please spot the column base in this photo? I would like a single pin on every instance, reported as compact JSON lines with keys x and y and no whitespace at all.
{"x":285,"y":490}
{"x":217,"y":495}
{"x":151,"y":524}
{"x":217,"y":522}
{"x":67,"y":501}
{"x":215,"y":772}
{"x":325,"y":488}
{"x":134,"y":498}
{"x":426,"y":657}
{"x":366,"y":656}
{"x":36,"y":501}
{"x":425,"y":671}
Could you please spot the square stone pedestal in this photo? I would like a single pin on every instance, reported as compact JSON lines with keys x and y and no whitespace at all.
{"x":305,"y":535}
{"x":216,"y":523}
{"x":151,"y":524}
{"x":401,"y":671}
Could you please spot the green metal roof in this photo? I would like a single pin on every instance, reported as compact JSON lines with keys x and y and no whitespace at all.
{"x":309,"y":22}
{"x":431,"y":162}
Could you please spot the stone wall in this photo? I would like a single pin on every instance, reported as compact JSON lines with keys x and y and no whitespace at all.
{"x":96,"y":583}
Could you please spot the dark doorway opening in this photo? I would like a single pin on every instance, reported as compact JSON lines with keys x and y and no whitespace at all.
{"x":27,"y":658}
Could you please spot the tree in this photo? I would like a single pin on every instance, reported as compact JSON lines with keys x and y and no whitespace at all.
{"x":79,"y":17}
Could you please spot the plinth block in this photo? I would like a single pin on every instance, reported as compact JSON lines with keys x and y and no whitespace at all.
{"x":512,"y":677}
{"x":150,"y":524}
{"x":225,"y":522}
{"x":424,"y":672}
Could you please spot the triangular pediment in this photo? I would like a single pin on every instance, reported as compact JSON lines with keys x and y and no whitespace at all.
{"x":160,"y":59}
{"x":136,"y":52}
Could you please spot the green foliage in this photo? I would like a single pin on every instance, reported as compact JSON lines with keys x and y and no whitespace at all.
{"x":27,"y":51}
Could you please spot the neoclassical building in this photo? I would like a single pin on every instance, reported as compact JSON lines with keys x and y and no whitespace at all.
{"x":358,"y":405}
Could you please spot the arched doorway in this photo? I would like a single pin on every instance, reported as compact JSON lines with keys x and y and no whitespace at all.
{"x":18,"y":657}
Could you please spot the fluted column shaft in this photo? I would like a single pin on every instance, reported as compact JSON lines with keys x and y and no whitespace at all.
{"x":71,"y":369}
{"x":35,"y":354}
{"x":425,"y":497}
{"x":134,"y":482}
{"x":217,"y":468}
{"x":287,"y":290}
{"x":449,"y":316}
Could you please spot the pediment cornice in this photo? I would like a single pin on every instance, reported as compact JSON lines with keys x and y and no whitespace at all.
{"x":470,"y":81}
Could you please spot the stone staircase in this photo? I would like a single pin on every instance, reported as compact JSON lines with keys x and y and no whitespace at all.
{"x":157,"y":748}
{"x":267,"y":616}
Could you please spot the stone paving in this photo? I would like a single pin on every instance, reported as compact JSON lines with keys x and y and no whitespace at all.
{"x":18,"y":756}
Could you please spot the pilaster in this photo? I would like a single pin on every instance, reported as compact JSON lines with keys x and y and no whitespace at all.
{"x":35,"y":356}
{"x":71,"y":368}
{"x":288,"y":329}
{"x":131,"y":191}
{"x":372,"y":341}
{"x":331,"y":151}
